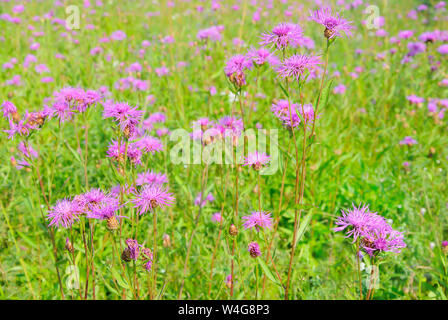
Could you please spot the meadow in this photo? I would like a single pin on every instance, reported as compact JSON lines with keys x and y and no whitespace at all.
{"x":241,"y":149}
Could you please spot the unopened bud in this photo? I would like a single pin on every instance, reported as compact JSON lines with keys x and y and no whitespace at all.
{"x":112,"y":223}
{"x":233,"y":231}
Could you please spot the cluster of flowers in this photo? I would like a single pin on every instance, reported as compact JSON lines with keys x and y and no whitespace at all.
{"x":94,"y":204}
{"x":64,"y":104}
{"x":291,"y":114}
{"x":209,"y":131}
{"x":211,"y":34}
{"x":149,"y":194}
{"x":372,"y":231}
{"x":134,"y":251}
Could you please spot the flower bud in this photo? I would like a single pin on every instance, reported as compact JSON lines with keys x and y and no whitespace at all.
{"x":233,"y":231}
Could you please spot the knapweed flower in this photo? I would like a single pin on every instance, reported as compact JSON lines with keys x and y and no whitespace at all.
{"x":256,"y":160}
{"x":408,"y":141}
{"x":64,"y":213}
{"x":235,"y":68}
{"x":258,"y":220}
{"x":132,"y":251}
{"x":202,"y":201}
{"x":217,"y":217}
{"x":357,"y":220}
{"x":413,"y":99}
{"x":151,"y":177}
{"x":152,"y":197}
{"x":282,"y":36}
{"x":147,"y":257}
{"x":9,"y":110}
{"x":297,"y":66}
{"x":254,"y":250}
{"x":382,"y":239}
{"x":150,"y":144}
{"x":262,"y":56}
{"x":334,"y":24}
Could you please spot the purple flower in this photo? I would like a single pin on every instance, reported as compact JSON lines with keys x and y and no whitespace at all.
{"x":152,"y":197}
{"x":283,"y":35}
{"x":297,"y":65}
{"x":256,"y":160}
{"x":334,"y":24}
{"x":216,"y":217}
{"x":151,"y":177}
{"x":382,"y":239}
{"x":235,"y":68}
{"x":258,"y":220}
{"x":9,"y":109}
{"x":150,"y":144}
{"x":357,"y":220}
{"x":64,"y":213}
{"x":254,"y":250}
{"x":200,"y":201}
{"x":262,"y":56}
{"x":133,"y":249}
{"x":443,"y":49}
{"x":118,"y":35}
{"x":408,"y":141}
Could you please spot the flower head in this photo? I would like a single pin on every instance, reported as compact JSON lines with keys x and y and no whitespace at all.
{"x":254,"y":250}
{"x":64,"y":213}
{"x":282,"y":36}
{"x":334,"y":24}
{"x":298,"y":65}
{"x":152,"y":197}
{"x":256,"y":160}
{"x":258,"y":220}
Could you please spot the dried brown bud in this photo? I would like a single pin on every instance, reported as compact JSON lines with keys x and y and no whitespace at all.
{"x":233,"y":231}
{"x":112,"y":223}
{"x":166,"y":240}
{"x":126,"y":255}
{"x":69,"y":246}
{"x":328,"y":33}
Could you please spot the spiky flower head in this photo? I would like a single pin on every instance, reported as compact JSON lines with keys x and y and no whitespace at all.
{"x":256,"y":160}
{"x":282,"y":36}
{"x":258,"y":220}
{"x":334,"y":24}
{"x":254,"y":250}
{"x":152,"y":197}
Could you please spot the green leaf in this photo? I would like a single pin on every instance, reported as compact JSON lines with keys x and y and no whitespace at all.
{"x":303,"y":226}
{"x":267,"y":271}
{"x":122,"y":283}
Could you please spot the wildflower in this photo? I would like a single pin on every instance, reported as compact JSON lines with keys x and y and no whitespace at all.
{"x":150,"y":144}
{"x":152,"y":197}
{"x":254,"y":250}
{"x":200,"y":201}
{"x":256,"y":160}
{"x":382,"y":239}
{"x":151,"y":177}
{"x":357,"y":220}
{"x":9,"y":110}
{"x":147,"y":257}
{"x":64,"y":213}
{"x":132,"y":251}
{"x":283,"y":35}
{"x":262,"y":56}
{"x":409,"y":141}
{"x":297,"y":65}
{"x":334,"y":24}
{"x":235,"y":68}
{"x":216,"y":217}
{"x":233,"y":230}
{"x":258,"y":220}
